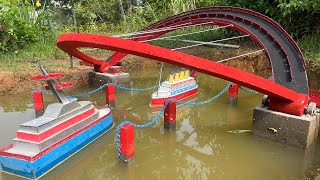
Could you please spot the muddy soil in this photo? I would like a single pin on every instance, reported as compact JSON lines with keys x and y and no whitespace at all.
{"x":15,"y":82}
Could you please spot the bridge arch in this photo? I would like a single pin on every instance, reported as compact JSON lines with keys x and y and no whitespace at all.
{"x":282,"y":99}
{"x":285,"y":57}
{"x":287,"y":94}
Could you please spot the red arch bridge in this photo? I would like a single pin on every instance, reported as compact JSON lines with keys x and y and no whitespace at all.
{"x":288,"y":92}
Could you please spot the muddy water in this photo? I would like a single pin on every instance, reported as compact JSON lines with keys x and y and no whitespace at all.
{"x":205,"y":145}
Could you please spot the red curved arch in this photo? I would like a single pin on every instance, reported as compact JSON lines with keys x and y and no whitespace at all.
{"x":288,"y":64}
{"x":282,"y":99}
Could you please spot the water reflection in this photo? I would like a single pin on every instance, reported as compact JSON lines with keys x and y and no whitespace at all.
{"x":10,"y":121}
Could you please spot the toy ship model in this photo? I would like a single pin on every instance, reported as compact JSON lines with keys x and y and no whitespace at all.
{"x":65,"y":128}
{"x":179,"y":86}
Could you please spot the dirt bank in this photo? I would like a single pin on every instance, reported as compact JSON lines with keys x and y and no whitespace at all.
{"x":19,"y":79}
{"x":15,"y":82}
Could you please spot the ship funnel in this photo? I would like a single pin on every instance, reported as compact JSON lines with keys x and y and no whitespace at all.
{"x":186,"y":74}
{"x":171,"y":77}
{"x":182,"y":74}
{"x":176,"y":78}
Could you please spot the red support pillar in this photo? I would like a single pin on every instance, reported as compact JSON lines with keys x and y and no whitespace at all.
{"x":194,"y":73}
{"x":233,"y":93}
{"x":169,"y":115}
{"x":110,"y":95}
{"x":38,"y":103}
{"x":126,"y":143}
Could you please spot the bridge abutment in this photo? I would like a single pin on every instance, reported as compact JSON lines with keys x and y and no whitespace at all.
{"x":292,"y":130}
{"x":114,"y":74}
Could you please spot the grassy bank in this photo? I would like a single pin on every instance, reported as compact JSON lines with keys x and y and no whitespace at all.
{"x":310,"y":46}
{"x":29,"y":56}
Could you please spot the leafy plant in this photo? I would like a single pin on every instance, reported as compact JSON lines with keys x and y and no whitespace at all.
{"x":310,"y":45}
{"x":22,"y":23}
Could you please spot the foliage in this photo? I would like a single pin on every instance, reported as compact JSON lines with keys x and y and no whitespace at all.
{"x":310,"y":45}
{"x":299,"y":17}
{"x":291,"y":6}
{"x":14,"y":31}
{"x":22,"y":23}
{"x":90,"y":12}
{"x":264,"y":7}
{"x":94,"y":15}
{"x":178,"y":6}
{"x":32,"y":53}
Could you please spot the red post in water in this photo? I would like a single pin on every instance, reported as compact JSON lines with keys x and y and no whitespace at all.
{"x":194,"y":73}
{"x":110,"y":95}
{"x":126,"y":143}
{"x":38,"y":103}
{"x":169,"y":115}
{"x":233,"y":93}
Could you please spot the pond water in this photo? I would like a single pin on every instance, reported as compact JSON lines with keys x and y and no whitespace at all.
{"x":205,"y":144}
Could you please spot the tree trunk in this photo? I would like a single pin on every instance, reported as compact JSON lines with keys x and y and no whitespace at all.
{"x":74,"y":19}
{"x":129,"y":6}
{"x":122,"y":15}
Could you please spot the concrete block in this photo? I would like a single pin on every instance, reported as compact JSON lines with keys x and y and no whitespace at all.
{"x":292,"y":130}
{"x":98,"y":79}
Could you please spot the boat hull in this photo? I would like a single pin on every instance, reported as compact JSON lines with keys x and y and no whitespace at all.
{"x":36,"y":168}
{"x":160,"y":101}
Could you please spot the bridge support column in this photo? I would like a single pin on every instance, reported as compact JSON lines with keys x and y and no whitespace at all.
{"x":169,"y":115}
{"x":233,"y":94}
{"x":38,"y":103}
{"x":126,"y":143}
{"x":292,"y":130}
{"x":194,"y":74}
{"x":110,"y":95}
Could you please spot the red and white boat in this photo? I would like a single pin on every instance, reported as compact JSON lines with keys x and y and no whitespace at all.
{"x":65,"y":128}
{"x":179,"y":86}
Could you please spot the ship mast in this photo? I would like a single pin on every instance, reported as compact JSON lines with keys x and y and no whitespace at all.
{"x":58,"y":94}
{"x":160,"y":78}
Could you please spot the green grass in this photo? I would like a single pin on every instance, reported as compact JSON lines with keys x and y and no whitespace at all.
{"x":34,"y":52}
{"x":310,"y":46}
{"x":30,"y":56}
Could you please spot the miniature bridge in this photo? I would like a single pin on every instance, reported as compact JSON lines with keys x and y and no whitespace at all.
{"x":289,"y":91}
